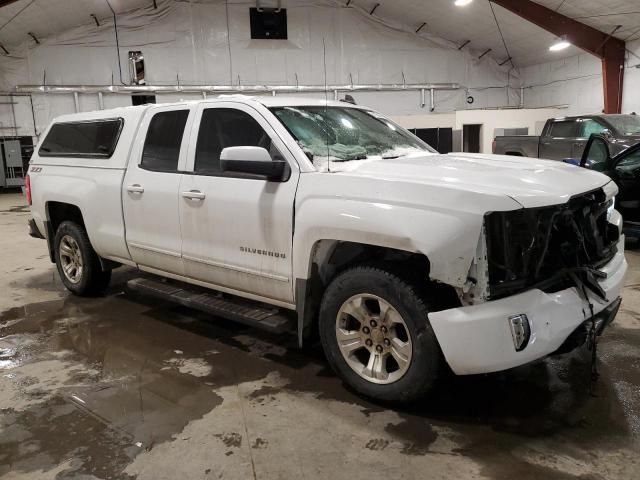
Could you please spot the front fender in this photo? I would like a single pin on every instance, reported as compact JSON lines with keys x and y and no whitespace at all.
{"x":448,"y":238}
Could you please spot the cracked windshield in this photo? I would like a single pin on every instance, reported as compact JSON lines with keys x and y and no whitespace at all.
{"x":347,"y":135}
{"x":625,"y":124}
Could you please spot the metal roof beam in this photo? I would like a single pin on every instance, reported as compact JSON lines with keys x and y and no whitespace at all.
{"x":604,"y":46}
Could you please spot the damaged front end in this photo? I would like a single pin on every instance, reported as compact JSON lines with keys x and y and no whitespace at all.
{"x":550,"y":248}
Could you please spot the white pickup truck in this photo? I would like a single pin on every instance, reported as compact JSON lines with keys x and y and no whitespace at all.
{"x":327,"y":218}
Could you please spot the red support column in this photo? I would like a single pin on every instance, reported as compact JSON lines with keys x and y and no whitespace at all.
{"x":612,"y":80}
{"x":609,"y":49}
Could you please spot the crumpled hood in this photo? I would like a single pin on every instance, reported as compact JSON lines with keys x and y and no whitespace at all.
{"x":529,"y":181}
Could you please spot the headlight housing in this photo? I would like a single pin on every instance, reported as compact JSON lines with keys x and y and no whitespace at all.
{"x":611,"y":207}
{"x":532,"y":247}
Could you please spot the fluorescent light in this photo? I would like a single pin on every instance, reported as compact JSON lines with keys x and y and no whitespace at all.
{"x":462,"y":3}
{"x":561,"y":44}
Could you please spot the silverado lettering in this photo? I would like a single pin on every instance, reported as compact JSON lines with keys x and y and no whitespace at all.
{"x":262,"y":252}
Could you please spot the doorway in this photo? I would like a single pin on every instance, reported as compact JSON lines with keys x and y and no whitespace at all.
{"x":438,"y":138}
{"x":471,"y":138}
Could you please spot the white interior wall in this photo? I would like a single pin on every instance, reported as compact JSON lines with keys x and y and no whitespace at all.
{"x":577,"y":82}
{"x":631,"y":92}
{"x":439,"y":120}
{"x":188,"y":42}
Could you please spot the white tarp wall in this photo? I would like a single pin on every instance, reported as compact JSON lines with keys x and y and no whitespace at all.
{"x":577,"y":82}
{"x":208,"y":42}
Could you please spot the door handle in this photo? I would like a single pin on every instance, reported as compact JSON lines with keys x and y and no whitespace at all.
{"x":135,"y":188}
{"x":194,"y":195}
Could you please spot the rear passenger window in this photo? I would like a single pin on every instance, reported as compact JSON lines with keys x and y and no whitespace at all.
{"x":162,"y":145}
{"x":563,"y":129}
{"x":227,"y":127}
{"x":92,"y":139}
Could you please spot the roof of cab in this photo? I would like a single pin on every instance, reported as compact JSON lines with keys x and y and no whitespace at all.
{"x":301,"y":101}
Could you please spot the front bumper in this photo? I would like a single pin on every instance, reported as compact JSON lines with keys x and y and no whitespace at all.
{"x":478,"y":339}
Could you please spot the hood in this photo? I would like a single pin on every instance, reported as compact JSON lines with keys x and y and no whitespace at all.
{"x":623,"y":142}
{"x":529,"y":181}
{"x":631,"y":138}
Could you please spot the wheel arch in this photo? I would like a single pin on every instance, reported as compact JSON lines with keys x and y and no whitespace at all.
{"x":58,"y":212}
{"x":329,"y":257}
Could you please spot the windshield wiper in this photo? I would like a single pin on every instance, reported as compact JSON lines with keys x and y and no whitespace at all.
{"x":392,"y":155}
{"x":348,"y":159}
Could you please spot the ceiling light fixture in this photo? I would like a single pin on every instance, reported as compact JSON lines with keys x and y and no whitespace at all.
{"x":462,"y":3}
{"x":560,"y":44}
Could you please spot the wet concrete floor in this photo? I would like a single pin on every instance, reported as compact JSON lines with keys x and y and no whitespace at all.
{"x":124,"y":386}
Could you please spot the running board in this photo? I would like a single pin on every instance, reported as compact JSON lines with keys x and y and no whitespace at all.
{"x":237,"y":309}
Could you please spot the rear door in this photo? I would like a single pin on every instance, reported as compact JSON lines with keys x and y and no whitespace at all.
{"x":150,"y":193}
{"x":237,"y":229}
{"x":557,"y":143}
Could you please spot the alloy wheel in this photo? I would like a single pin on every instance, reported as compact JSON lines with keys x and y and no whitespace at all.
{"x":71,"y":259}
{"x":373,"y":339}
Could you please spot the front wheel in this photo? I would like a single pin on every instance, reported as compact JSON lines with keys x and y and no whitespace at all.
{"x":376,"y":335}
{"x":77,"y":262}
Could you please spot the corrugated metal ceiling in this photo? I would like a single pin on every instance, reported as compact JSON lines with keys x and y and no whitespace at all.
{"x":527,"y":44}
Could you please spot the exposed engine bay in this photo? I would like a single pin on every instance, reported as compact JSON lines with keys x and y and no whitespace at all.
{"x":550,"y":248}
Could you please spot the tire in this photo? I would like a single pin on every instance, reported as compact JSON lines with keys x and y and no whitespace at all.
{"x":73,"y":249}
{"x":413,"y":378}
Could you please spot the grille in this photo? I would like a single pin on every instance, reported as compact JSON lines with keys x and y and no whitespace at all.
{"x":549,"y":247}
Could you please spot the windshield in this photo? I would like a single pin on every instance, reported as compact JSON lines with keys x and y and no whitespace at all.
{"x":625,"y":124}
{"x":343,"y":134}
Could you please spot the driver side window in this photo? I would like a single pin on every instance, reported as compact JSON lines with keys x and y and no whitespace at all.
{"x":588,"y":127}
{"x":227,"y":127}
{"x":597,"y":156}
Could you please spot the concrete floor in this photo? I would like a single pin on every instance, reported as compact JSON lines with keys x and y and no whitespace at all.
{"x":126,"y":387}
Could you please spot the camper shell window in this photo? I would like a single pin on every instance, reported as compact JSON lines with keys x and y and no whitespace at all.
{"x":90,"y":139}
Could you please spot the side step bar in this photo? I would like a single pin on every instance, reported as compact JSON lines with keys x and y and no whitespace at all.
{"x":240,"y":310}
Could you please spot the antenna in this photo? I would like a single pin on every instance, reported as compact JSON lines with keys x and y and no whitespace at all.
{"x":326,"y":101}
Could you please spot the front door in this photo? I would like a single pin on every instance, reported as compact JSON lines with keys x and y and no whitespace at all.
{"x":626,"y":174}
{"x":624,"y":170}
{"x":150,"y":193}
{"x":237,"y":229}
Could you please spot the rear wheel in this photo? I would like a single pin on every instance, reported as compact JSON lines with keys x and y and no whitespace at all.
{"x":77,"y":262}
{"x":376,"y":335}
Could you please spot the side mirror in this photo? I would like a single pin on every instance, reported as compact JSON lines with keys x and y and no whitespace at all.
{"x":253,"y":161}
